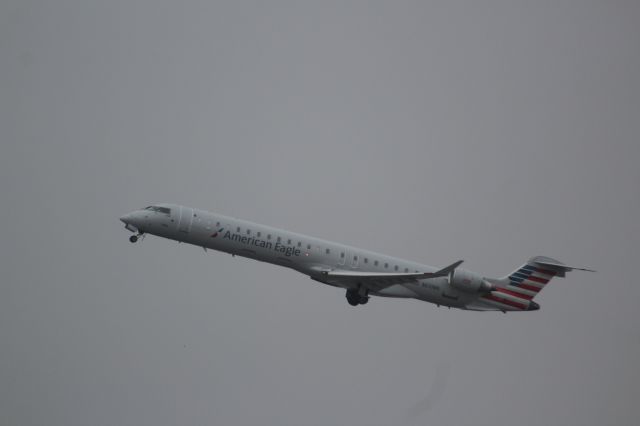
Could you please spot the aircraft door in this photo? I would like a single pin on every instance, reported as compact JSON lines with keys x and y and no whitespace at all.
{"x":186,"y":219}
{"x":342,"y":258}
{"x":354,"y":260}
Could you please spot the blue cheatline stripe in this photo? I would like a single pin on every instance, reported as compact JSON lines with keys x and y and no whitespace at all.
{"x":521,"y":275}
{"x":528,"y":268}
{"x":516,"y":279}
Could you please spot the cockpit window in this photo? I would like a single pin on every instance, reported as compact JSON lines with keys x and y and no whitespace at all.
{"x":164,"y":210}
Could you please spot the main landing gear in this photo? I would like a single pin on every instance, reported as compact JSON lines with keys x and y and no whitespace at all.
{"x":135,"y":238}
{"x":357,"y":296}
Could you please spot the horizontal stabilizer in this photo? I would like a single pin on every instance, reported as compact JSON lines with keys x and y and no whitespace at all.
{"x":559,"y":268}
{"x":566,"y":268}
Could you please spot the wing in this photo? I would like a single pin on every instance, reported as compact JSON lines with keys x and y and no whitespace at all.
{"x":376,"y":281}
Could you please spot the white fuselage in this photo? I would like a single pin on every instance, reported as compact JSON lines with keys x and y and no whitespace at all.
{"x":308,"y":255}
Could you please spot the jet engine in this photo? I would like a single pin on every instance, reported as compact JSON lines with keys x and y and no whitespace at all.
{"x":469,"y":282}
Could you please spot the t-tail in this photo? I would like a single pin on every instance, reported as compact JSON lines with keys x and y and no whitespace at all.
{"x":516,"y":291}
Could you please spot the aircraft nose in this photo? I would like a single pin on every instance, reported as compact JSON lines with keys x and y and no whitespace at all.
{"x":131,"y":221}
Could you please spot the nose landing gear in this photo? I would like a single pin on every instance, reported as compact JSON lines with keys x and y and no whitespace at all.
{"x":135,"y":238}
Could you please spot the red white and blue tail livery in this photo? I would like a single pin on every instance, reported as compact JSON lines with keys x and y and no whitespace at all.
{"x":516,"y":291}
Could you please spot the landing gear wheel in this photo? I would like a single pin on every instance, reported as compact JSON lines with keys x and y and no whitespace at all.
{"x":353,"y":297}
{"x":133,"y":238}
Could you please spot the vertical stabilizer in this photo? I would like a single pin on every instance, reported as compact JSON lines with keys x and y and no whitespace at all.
{"x":517,"y":290}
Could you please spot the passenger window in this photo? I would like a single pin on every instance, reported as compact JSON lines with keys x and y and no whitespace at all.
{"x":396,"y":267}
{"x":327,"y":251}
{"x":217,"y":223}
{"x":258,"y":234}
{"x":406,"y":269}
{"x":248,"y":231}
{"x":366,"y":260}
{"x":342,"y":255}
{"x":386,"y":265}
{"x":308,"y":246}
{"x":238,"y":229}
{"x":299,"y":244}
{"x":268,"y":236}
{"x":289,"y":242}
{"x":375,"y":262}
{"x":278,"y":239}
{"x":355,"y":258}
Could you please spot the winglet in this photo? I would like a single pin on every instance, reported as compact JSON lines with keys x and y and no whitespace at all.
{"x":445,"y":271}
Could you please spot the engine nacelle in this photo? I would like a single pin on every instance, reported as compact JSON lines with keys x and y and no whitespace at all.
{"x":469,"y":282}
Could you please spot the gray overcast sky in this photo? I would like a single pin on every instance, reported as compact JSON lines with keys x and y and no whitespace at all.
{"x":433,"y":131}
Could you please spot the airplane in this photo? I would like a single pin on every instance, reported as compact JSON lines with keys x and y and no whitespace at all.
{"x":361,"y":273}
